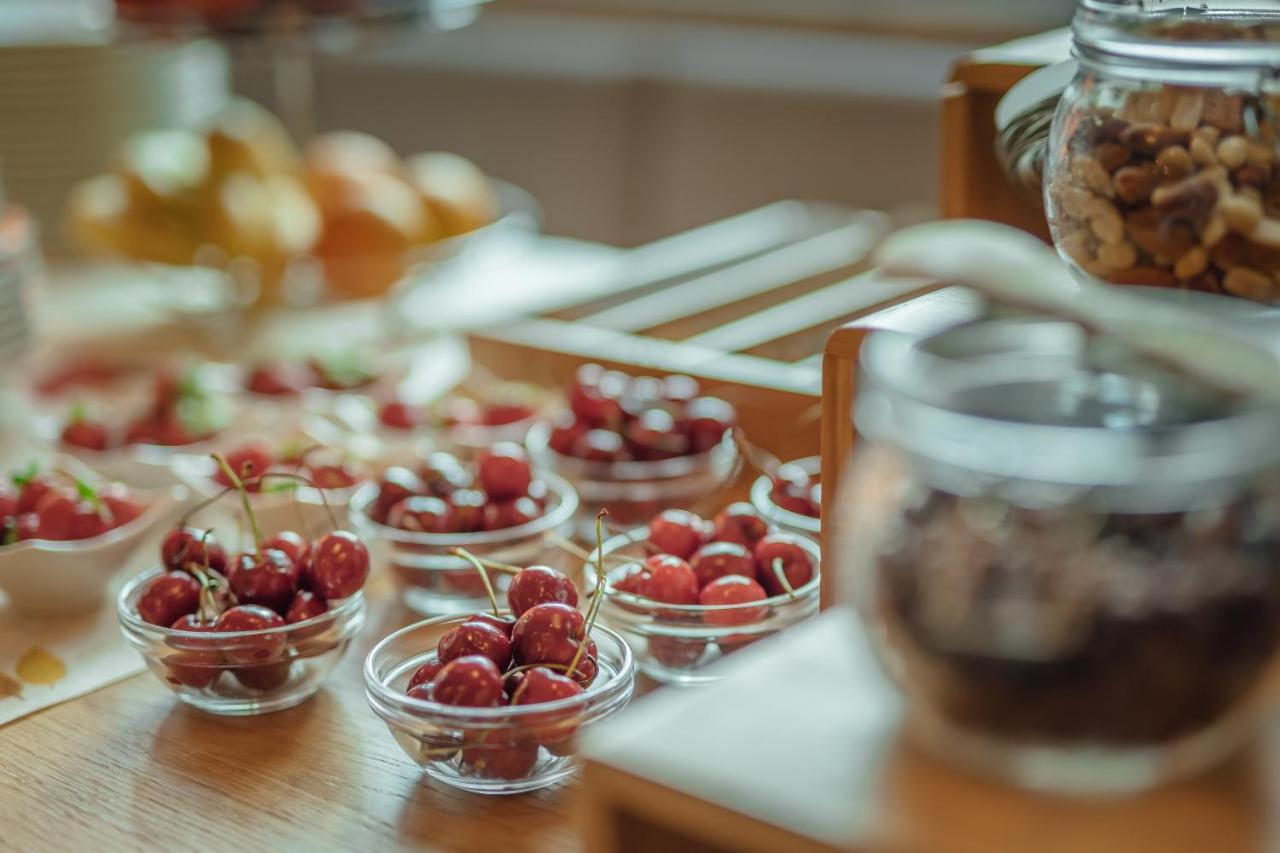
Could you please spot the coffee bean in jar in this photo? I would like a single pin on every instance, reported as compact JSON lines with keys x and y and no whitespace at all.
{"x":1065,"y":553}
{"x":1162,"y":158}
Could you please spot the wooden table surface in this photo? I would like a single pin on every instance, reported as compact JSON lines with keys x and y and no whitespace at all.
{"x":129,"y":766}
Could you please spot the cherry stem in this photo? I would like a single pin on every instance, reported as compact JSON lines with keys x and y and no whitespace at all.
{"x":244,"y":499}
{"x":484,"y":575}
{"x":505,"y":568}
{"x":782,"y":576}
{"x":596,"y":597}
{"x":306,"y":481}
{"x":759,"y":458}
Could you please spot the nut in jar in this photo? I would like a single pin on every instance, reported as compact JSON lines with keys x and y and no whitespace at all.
{"x":1162,"y":155}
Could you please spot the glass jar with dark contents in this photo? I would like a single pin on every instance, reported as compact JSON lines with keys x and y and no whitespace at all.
{"x":1066,"y":555}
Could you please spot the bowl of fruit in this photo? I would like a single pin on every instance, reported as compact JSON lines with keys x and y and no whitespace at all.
{"x":250,"y":632}
{"x":491,"y":702}
{"x":467,"y":422}
{"x":638,"y":445}
{"x":184,"y":411}
{"x":297,"y":482}
{"x":789,"y":496}
{"x":684,"y":591}
{"x":496,"y":507}
{"x":64,"y":534}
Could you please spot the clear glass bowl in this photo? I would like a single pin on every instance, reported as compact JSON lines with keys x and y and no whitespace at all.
{"x":785,"y":519}
{"x":1064,"y":553}
{"x":634,"y":492}
{"x":673,"y":643}
{"x":242,"y":673}
{"x":505,"y":750}
{"x":435,"y":582}
{"x":1161,"y":165}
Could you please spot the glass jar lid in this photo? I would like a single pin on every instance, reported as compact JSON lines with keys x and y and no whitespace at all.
{"x":1045,"y":413}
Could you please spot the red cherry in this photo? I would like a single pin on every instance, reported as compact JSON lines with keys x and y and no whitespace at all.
{"x":680,"y":389}
{"x":305,"y":605}
{"x":443,"y":474}
{"x":340,"y":475}
{"x":475,"y":638}
{"x":467,"y":510}
{"x":500,"y":515}
{"x":792,"y":490}
{"x":593,"y":395}
{"x":718,"y":559}
{"x":265,"y":647}
{"x":395,"y":485}
{"x":641,"y":394}
{"x":423,"y":674}
{"x":676,"y":652}
{"x":169,"y":597}
{"x":27,"y":526}
{"x":678,"y":532}
{"x":502,"y":414}
{"x":547,"y":633}
{"x":654,"y":435}
{"x":293,"y":546}
{"x":248,"y":462}
{"x":795,"y":562}
{"x":635,"y":582}
{"x":502,"y":623}
{"x":397,"y":414}
{"x":601,"y":445}
{"x":421,"y":514}
{"x":706,"y":420}
{"x":185,"y":545}
{"x":421,"y":691}
{"x":739,"y":522}
{"x":194,"y":666}
{"x":732,"y":589}
{"x":32,"y":491}
{"x":671,"y":580}
{"x":472,"y":681}
{"x":499,"y":753}
{"x":539,"y":686}
{"x":539,"y":585}
{"x":267,"y":676}
{"x":89,"y":521}
{"x":339,"y":564}
{"x":90,"y":435}
{"x":503,"y":470}
{"x":269,"y":579}
{"x":57,"y":510}
{"x":8,"y":504}
{"x":121,"y":503}
{"x":539,"y":492}
{"x":279,"y":379}
{"x":566,"y":429}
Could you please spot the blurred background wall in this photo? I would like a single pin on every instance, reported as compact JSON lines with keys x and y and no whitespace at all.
{"x":630,"y":119}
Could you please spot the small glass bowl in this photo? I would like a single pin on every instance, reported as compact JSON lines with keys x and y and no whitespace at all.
{"x":505,"y":750}
{"x":436,"y":582}
{"x":634,"y":492}
{"x":785,"y":519}
{"x":673,"y":642}
{"x":242,"y":673}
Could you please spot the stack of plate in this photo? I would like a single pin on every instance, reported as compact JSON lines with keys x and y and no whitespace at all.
{"x":65,"y":106}
{"x":19,"y":269}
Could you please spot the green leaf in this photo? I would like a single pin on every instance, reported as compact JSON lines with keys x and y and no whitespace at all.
{"x":26,"y":475}
{"x":78,"y":413}
{"x":10,"y":535}
{"x":88,"y":493}
{"x":279,"y":485}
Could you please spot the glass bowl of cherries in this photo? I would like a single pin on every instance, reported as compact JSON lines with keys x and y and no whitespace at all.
{"x":303,"y":477}
{"x":251,"y":632}
{"x":638,"y":445}
{"x":490,"y":702}
{"x":63,"y":534}
{"x":496,"y":507}
{"x":789,"y":496}
{"x":684,"y":591}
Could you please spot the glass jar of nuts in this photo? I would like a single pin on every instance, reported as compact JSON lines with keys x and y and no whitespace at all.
{"x":1064,"y":552}
{"x":1161,"y":167}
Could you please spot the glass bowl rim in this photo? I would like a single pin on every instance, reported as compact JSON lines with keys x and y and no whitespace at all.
{"x":762,"y":499}
{"x":426,"y":708}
